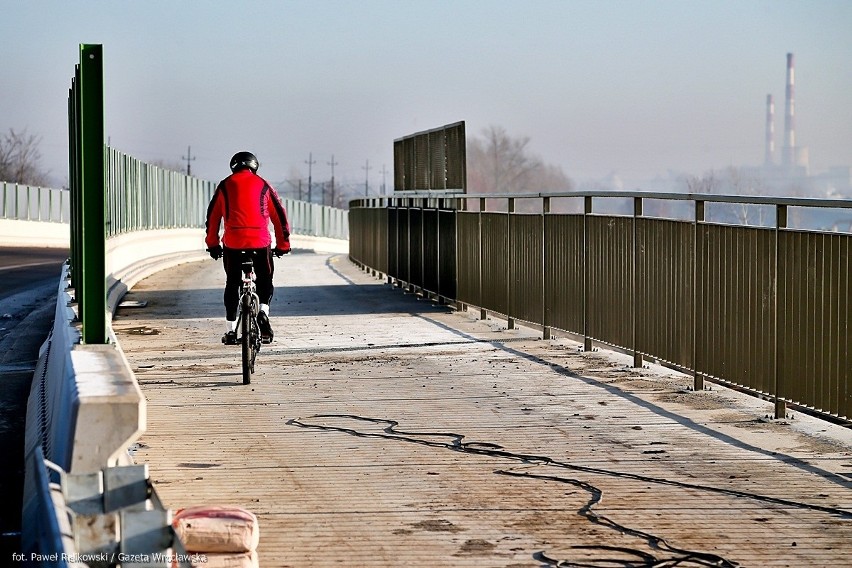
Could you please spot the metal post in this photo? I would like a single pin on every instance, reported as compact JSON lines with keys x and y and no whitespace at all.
{"x":510,"y":321}
{"x":637,"y":355}
{"x":424,"y":203}
{"x":545,"y":209}
{"x":780,"y":403}
{"x":438,"y":249}
{"x":587,"y":210}
{"x":482,"y":312}
{"x":93,"y":307}
{"x":73,"y":179}
{"x":697,"y":316}
{"x":409,"y":205}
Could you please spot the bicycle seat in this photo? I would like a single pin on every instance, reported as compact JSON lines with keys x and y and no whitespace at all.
{"x":248,"y":265}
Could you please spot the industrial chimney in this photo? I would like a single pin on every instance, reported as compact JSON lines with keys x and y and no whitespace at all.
{"x":789,"y":155}
{"x":770,"y":131}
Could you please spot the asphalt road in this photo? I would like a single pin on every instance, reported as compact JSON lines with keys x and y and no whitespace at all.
{"x":29,"y":278}
{"x":21,"y":268}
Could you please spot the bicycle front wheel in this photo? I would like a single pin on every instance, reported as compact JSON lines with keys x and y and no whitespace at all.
{"x":247,"y":347}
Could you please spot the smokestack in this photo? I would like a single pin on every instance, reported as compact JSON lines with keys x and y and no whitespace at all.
{"x":789,"y":157}
{"x":770,"y":131}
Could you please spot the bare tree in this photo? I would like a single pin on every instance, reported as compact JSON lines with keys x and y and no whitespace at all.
{"x":498,"y":163}
{"x":740,"y":184}
{"x":708,"y":183}
{"x":20,"y":159}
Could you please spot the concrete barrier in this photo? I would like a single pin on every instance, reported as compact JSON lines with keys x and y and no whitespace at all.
{"x":16,"y":233}
{"x":85,"y":406}
{"x":319,"y":244}
{"x":131,"y":257}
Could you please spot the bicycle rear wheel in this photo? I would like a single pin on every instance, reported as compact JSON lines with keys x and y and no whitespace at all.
{"x":248,"y":356}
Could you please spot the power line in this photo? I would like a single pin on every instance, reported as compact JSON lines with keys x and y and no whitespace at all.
{"x":367,"y":169}
{"x":189,"y":158}
{"x":310,"y":161}
{"x":332,"y":163}
{"x":384,"y":173}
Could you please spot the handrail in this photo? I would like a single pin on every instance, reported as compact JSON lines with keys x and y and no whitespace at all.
{"x":705,"y":197}
{"x":764,"y":308}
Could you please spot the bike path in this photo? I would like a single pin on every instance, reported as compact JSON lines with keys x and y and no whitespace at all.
{"x":384,"y":430}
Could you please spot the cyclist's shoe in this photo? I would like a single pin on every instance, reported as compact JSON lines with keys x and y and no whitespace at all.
{"x":266,"y":334}
{"x":230,"y":338}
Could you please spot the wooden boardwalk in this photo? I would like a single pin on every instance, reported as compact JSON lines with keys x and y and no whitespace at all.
{"x":384,"y":430}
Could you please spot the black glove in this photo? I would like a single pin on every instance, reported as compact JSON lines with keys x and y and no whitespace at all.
{"x":280,"y":252}
{"x":215,"y":252}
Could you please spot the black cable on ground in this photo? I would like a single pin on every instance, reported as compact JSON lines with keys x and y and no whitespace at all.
{"x":456,"y":443}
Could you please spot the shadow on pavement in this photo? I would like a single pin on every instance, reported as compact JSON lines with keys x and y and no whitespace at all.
{"x":293,"y":301}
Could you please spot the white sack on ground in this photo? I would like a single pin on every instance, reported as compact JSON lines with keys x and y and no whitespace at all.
{"x":211,"y":528}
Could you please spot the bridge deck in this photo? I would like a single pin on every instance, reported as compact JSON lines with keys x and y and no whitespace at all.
{"x":383,"y":430}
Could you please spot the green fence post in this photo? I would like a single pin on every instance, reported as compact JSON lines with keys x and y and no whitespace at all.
{"x":93,"y":307}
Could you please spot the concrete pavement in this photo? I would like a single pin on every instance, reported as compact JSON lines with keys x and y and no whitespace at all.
{"x":383,"y":430}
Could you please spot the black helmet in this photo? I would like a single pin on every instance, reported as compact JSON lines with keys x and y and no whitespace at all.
{"x":243,"y":160}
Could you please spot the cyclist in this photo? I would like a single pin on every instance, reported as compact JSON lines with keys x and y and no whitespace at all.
{"x":247,"y":203}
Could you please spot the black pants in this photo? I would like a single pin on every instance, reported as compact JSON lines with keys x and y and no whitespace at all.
{"x":263,"y":269}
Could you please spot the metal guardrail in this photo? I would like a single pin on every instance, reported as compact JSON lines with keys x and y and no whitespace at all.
{"x":110,"y":517}
{"x":765,"y":309}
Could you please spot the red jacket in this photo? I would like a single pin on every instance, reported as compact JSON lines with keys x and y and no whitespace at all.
{"x":247,"y":203}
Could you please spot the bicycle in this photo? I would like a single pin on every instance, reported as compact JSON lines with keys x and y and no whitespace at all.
{"x":249,"y":307}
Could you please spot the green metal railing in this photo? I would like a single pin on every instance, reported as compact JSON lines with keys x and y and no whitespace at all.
{"x":765,"y":309}
{"x":142,"y":196}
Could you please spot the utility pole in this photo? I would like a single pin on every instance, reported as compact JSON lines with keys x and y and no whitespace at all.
{"x":367,"y":169}
{"x":332,"y":163}
{"x":384,"y":173}
{"x":189,"y":158}
{"x":310,"y":163}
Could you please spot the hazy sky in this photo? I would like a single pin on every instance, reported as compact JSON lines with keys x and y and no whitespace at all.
{"x":634,"y":88}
